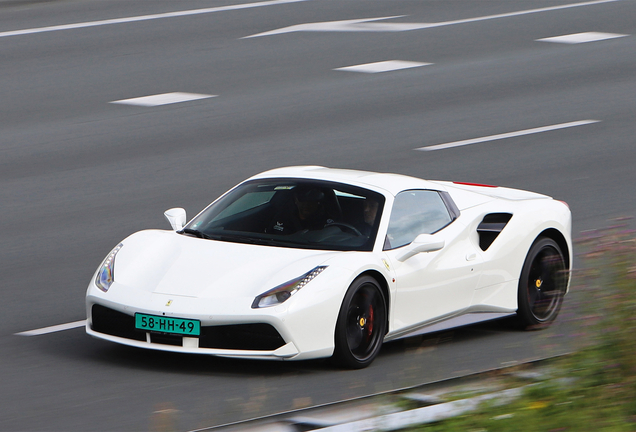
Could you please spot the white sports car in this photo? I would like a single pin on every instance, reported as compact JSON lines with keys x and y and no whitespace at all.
{"x":308,"y":262}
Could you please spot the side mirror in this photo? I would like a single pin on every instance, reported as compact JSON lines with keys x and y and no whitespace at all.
{"x":176,"y":217}
{"x":422,"y":243}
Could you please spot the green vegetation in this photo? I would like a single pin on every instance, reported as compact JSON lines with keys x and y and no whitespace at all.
{"x":593,"y":389}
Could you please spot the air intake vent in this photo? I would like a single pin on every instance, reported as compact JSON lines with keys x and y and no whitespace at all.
{"x":115,"y":323}
{"x":490,"y":227}
{"x":253,"y":337}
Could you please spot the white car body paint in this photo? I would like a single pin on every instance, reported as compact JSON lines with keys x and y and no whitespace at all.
{"x":168,"y":274}
{"x":435,"y":284}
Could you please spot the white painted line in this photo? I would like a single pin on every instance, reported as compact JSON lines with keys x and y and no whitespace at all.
{"x":383,"y":66}
{"x":365,"y":25}
{"x":146,"y":17}
{"x":354,"y":25}
{"x":507,"y":135}
{"x":582,"y":37}
{"x":53,"y":329}
{"x":162,"y":99}
{"x":525,"y":12}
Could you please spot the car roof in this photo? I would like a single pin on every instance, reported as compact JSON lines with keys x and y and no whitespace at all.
{"x":392,"y":183}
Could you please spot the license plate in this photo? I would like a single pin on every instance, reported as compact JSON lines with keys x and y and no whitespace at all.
{"x":164,"y":324}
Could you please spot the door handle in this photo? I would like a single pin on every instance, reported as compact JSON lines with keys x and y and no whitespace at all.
{"x":471,"y":256}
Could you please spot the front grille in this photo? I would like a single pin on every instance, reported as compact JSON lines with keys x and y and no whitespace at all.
{"x":166,"y":339}
{"x":114,"y":323}
{"x":252,"y":337}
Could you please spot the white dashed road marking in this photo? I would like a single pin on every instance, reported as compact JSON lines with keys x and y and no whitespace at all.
{"x":383,"y":66}
{"x":365,"y":25}
{"x":146,"y":17}
{"x":354,"y":25}
{"x":581,"y":37}
{"x":163,"y":99}
{"x":53,"y":329}
{"x":507,"y":135}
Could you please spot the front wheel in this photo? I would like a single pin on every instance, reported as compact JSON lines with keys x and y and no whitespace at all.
{"x":542,"y":284}
{"x":361,"y":324}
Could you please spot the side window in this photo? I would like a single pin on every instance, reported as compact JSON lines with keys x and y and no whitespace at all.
{"x":415,"y":212}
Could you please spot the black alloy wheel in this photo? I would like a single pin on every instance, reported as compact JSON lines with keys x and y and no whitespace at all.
{"x":542,"y":284}
{"x":361,"y":324}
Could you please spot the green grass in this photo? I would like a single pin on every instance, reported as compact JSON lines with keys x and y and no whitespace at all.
{"x":593,"y":389}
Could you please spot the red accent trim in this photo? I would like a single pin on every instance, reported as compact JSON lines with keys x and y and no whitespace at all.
{"x":475,"y":184}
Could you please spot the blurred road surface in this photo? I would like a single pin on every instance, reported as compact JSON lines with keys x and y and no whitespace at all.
{"x":78,"y":173}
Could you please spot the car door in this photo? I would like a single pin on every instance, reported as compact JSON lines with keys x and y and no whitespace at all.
{"x":429,"y":285}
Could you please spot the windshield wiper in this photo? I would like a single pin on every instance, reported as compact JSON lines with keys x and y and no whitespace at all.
{"x":196,"y":233}
{"x":242,"y":239}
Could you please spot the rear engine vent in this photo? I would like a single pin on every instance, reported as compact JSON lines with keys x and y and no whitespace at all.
{"x":490,"y":227}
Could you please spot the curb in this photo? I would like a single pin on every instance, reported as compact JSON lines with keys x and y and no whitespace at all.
{"x":424,"y":404}
{"x":430,"y":414}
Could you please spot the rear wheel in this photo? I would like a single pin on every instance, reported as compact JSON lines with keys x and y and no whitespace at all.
{"x":542,"y":284}
{"x":361,"y":324}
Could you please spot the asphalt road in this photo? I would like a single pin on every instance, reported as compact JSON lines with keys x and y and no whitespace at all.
{"x":78,"y":173}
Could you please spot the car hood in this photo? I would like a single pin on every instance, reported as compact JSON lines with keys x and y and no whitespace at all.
{"x":165,"y":262}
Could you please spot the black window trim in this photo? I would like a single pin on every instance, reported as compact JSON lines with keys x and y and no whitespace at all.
{"x":450,"y":205}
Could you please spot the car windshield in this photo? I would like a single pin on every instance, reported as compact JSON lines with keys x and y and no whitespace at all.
{"x":295,"y":213}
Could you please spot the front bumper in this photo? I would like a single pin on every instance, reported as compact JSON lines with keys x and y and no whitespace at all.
{"x":229,"y":327}
{"x":191,"y":346}
{"x":244,"y":340}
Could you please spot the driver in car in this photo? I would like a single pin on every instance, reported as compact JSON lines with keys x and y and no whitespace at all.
{"x":307,"y":214}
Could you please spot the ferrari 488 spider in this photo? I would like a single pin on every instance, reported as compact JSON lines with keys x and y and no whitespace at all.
{"x":308,"y":262}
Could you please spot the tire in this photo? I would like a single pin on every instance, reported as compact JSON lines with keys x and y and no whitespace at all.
{"x":542,"y":285}
{"x":361,"y":324}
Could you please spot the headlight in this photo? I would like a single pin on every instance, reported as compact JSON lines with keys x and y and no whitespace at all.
{"x":106,"y":274}
{"x":278,"y":295}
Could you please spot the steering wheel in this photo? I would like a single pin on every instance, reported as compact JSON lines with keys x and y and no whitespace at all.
{"x":345,"y":225}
